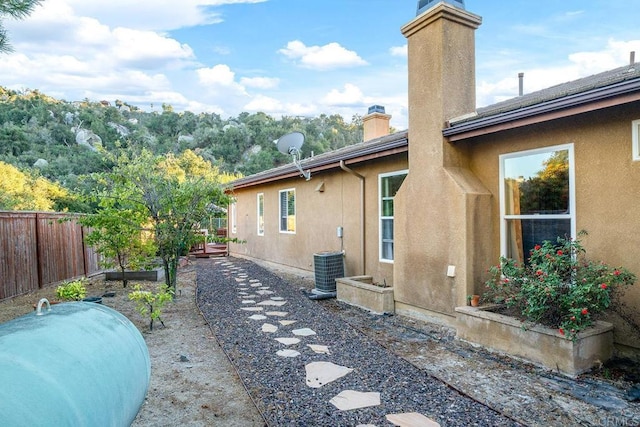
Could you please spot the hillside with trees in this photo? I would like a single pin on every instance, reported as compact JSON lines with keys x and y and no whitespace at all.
{"x":64,"y":142}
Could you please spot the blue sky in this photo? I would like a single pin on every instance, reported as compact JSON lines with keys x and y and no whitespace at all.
{"x":297,"y":57}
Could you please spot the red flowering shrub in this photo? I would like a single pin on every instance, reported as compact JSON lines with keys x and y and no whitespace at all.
{"x":558,"y":287}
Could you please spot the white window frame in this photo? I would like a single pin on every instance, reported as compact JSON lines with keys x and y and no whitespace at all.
{"x":280,"y":213}
{"x":635,"y":140}
{"x":572,"y":193}
{"x":260,"y":214}
{"x":234,"y":222}
{"x":380,"y":208}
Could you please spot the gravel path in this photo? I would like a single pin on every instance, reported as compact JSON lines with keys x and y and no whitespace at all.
{"x":243,"y":302}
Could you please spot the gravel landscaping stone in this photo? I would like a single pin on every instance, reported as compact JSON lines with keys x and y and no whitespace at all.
{"x":278,"y":384}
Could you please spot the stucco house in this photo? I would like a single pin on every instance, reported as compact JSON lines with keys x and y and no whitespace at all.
{"x":429,"y":209}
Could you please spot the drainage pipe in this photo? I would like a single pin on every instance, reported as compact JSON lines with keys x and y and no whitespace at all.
{"x":362,"y":229}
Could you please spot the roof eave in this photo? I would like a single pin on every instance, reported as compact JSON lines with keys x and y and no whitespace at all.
{"x":327,"y":162}
{"x":604,"y":97}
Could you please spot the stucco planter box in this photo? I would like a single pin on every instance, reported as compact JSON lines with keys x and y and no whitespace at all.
{"x":537,"y":344}
{"x":360,"y":291}
{"x":154,"y":275}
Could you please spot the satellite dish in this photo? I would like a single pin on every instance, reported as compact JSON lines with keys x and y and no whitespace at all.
{"x":290,"y":144}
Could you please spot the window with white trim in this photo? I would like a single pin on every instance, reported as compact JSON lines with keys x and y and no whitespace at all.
{"x":288,"y":211}
{"x":635,"y":138}
{"x":388,"y":186}
{"x":234,"y":228}
{"x":537,"y":199}
{"x":260,"y":214}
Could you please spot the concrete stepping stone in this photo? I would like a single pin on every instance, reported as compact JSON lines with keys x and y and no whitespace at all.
{"x":251,"y":308}
{"x":264,"y":287}
{"x":264,"y":292}
{"x":277,"y":313}
{"x":288,"y":353}
{"x":272,"y":303}
{"x":248,"y":301}
{"x":276,"y":299}
{"x":320,"y":349}
{"x":239,"y":280}
{"x":288,"y":341}
{"x":287,"y":322}
{"x":254,"y":281}
{"x":269,"y":328}
{"x":411,"y":419}
{"x":322,"y":373}
{"x":366,"y":425}
{"x":254,"y":285}
{"x":258,"y":317}
{"x":304,"y":332}
{"x":243,"y":293}
{"x":351,"y":399}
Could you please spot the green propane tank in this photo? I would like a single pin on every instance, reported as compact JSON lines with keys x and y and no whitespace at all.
{"x":72,"y":364}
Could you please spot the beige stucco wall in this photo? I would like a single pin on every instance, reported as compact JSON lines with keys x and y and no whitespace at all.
{"x":440,"y":194}
{"x":607,"y":188}
{"x":318,"y":215}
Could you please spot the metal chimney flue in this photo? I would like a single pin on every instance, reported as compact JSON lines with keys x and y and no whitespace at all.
{"x":520,"y":84}
{"x":632,"y":58}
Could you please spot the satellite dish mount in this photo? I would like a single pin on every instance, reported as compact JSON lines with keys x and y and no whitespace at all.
{"x":290,"y":144}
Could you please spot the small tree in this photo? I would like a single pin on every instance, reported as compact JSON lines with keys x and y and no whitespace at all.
{"x":174,"y":193}
{"x":117,"y":235}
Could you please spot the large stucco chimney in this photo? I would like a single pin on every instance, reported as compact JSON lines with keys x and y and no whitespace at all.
{"x":375,"y":123}
{"x":435,"y":209}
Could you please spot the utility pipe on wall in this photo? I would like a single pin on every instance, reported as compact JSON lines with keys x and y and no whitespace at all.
{"x":362,"y":230}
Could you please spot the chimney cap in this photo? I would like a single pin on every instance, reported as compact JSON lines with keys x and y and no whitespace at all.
{"x":424,"y":5}
{"x":376,"y":109}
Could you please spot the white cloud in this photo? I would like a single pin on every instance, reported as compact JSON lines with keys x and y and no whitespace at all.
{"x":327,"y":57}
{"x":351,"y":95}
{"x":579,"y":64}
{"x":401,"y":51}
{"x":260,"y":82}
{"x":265,"y":104}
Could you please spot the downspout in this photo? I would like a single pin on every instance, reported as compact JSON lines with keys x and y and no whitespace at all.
{"x":362,"y":231}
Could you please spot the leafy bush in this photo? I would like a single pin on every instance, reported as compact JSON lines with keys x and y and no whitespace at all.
{"x":150,"y":304}
{"x":72,"y":291}
{"x":558,"y":287}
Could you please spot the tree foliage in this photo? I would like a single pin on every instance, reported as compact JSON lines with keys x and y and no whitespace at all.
{"x":25,"y":191}
{"x":44,"y":134}
{"x":175,"y":193}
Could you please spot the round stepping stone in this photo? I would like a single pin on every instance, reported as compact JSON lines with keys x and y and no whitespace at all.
{"x":273,"y":303}
{"x":257,"y":317}
{"x":268,"y":327}
{"x":320,"y":349}
{"x":287,"y":322}
{"x":288,"y":353}
{"x":304,"y":332}
{"x":276,"y":313}
{"x":411,"y":419}
{"x":322,"y":373}
{"x":351,"y":399}
{"x":288,"y":341}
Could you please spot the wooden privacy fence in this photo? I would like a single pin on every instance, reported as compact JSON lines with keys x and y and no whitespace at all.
{"x":41,"y":248}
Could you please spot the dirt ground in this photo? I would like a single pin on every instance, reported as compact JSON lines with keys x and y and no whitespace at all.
{"x":192,"y":381}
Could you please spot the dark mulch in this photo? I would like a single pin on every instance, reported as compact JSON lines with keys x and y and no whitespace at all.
{"x":278,"y":385}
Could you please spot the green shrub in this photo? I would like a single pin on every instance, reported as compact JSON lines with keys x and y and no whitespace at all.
{"x":72,"y":291}
{"x":558,"y":287}
{"x":149,"y":304}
